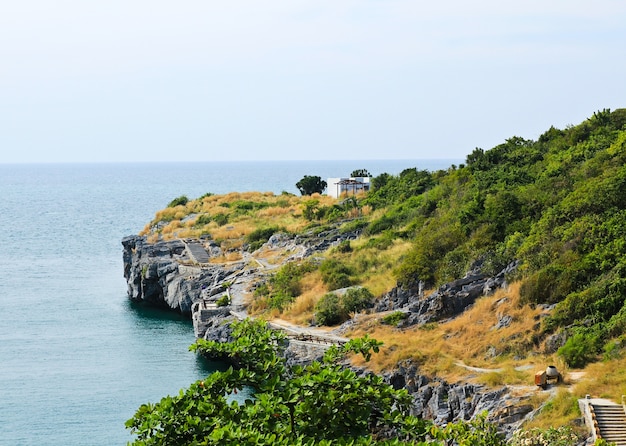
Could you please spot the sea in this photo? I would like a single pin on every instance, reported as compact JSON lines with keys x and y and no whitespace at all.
{"x":77,"y":358}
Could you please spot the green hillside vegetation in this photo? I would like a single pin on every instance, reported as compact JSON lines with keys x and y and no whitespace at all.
{"x":557,"y":206}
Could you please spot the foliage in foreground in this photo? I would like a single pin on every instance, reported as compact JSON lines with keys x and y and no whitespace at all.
{"x":561,"y":436}
{"x":322,"y":403}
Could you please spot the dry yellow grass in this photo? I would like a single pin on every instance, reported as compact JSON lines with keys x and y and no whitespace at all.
{"x":466,"y":340}
{"x":558,"y":410}
{"x":378,"y":277}
{"x":231,"y":231}
{"x":605,"y":379}
{"x":302,"y":309}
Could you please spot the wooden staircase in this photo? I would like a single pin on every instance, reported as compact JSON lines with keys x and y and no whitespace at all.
{"x":609,"y":422}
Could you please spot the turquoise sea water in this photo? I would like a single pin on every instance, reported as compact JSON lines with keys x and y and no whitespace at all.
{"x":76,"y":357}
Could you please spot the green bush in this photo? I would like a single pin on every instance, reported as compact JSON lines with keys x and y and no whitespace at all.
{"x":354,"y":225}
{"x":394,"y":318}
{"x":202,"y":220}
{"x":334,"y":309}
{"x":328,"y":310}
{"x":220,"y":219}
{"x":383,"y":241}
{"x":580,"y":349}
{"x":344,"y":247}
{"x":259,"y":236}
{"x":223,"y":301}
{"x":424,"y":259}
{"x":284,"y":286}
{"x":384,"y":223}
{"x":356,"y":299}
{"x":179,"y":201}
{"x":335,"y":274}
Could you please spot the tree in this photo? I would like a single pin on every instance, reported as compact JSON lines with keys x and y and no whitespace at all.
{"x":297,"y":405}
{"x":360,"y":173}
{"x":311,"y":184}
{"x":319,"y":404}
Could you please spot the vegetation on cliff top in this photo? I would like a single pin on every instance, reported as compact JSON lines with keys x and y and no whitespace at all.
{"x":556,"y":205}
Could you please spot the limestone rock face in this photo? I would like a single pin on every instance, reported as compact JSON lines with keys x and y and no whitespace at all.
{"x":442,"y":402}
{"x":447,"y":301}
{"x":158,"y":273}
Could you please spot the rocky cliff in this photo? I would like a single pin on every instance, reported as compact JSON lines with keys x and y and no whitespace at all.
{"x":166,"y":274}
{"x":176,"y":273}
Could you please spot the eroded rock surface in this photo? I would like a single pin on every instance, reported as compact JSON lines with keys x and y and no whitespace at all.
{"x":448,"y":301}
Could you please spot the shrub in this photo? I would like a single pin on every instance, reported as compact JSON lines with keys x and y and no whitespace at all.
{"x":220,"y":219}
{"x":328,"y":310}
{"x":579,"y":349}
{"x":548,"y":285}
{"x":354,"y":225}
{"x":284,"y":286}
{"x":179,"y":201}
{"x":335,"y":274}
{"x":202,"y":220}
{"x":356,"y":299}
{"x":383,"y":241}
{"x":333,"y":309}
{"x":311,"y":210}
{"x":259,"y":236}
{"x":223,"y":301}
{"x":384,"y":223}
{"x":394,"y":318}
{"x":344,"y":247}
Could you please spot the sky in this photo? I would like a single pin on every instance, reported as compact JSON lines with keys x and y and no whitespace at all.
{"x":191,"y":80}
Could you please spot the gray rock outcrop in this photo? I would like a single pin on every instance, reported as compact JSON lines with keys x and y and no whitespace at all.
{"x":174,"y":274}
{"x":448,"y":301}
{"x":162,"y":274}
{"x":442,"y":402}
{"x":169,"y":274}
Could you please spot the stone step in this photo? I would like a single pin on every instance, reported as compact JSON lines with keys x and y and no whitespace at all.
{"x":612,"y":431}
{"x":617,"y":411}
{"x":197,"y":252}
{"x":611,"y":421}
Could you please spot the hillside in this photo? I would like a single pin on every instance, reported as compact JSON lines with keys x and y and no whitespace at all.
{"x":555,"y":207}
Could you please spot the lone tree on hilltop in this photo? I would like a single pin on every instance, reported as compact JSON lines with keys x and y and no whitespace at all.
{"x":310,"y":185}
{"x":360,"y":173}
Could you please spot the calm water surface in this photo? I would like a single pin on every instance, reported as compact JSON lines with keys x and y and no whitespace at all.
{"x":76,"y":357}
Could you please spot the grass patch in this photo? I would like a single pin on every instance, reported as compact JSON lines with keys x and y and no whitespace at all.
{"x":560,"y":410}
{"x":605,"y":379}
{"x":469,"y":339}
{"x":506,"y":376}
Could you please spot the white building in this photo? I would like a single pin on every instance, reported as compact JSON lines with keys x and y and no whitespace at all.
{"x":347,"y":186}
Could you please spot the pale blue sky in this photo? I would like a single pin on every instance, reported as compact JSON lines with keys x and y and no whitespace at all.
{"x":201,"y":80}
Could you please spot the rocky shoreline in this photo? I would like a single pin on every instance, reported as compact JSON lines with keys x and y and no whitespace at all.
{"x":166,"y":274}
